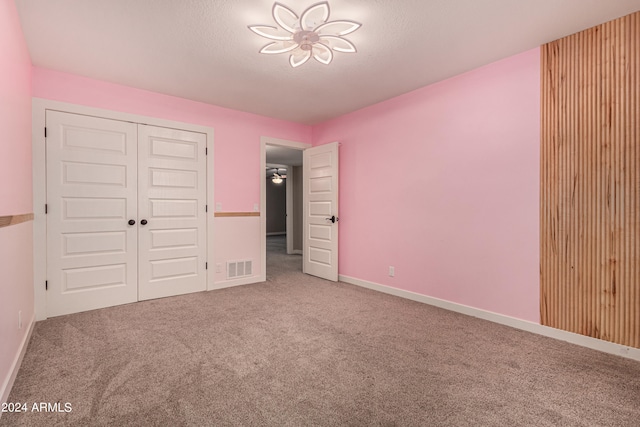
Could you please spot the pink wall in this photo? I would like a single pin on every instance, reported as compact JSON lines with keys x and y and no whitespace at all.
{"x":443,"y":184}
{"x":16,"y":241}
{"x":236,"y":149}
{"x":15,"y":115}
{"x":237,"y":134}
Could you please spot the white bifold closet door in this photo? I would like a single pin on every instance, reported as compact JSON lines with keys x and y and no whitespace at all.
{"x":126,"y":212}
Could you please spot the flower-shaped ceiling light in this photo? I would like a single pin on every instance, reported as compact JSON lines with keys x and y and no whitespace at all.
{"x":311,"y":34}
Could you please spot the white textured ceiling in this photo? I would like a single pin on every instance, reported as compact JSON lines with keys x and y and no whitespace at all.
{"x":202,"y":49}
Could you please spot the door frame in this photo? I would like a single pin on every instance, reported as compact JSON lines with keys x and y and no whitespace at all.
{"x":264,"y":141}
{"x":39,"y":185}
{"x":291,"y":176}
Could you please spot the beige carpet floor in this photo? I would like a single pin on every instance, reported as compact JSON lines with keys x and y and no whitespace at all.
{"x":297,"y":350}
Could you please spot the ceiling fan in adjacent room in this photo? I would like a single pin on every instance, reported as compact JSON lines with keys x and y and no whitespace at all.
{"x":277,"y":176}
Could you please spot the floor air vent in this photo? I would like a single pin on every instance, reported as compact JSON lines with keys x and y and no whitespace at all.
{"x":237,"y":269}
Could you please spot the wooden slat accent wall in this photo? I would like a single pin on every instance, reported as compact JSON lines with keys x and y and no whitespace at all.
{"x":590,"y":182}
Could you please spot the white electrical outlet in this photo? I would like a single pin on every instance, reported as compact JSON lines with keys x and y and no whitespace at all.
{"x":218,"y":268}
{"x":218,"y":207}
{"x":256,"y":207}
{"x":19,"y":319}
{"x":392,"y":271}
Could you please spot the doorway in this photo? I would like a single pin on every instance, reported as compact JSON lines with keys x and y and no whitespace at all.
{"x":320,"y":186}
{"x":282,"y":191}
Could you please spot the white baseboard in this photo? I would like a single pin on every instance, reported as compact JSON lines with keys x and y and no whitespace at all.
{"x":570,"y":337}
{"x":296,"y":252}
{"x":236,"y":282}
{"x":15,"y":367}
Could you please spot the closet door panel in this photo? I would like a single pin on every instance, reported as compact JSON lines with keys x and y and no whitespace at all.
{"x":172,"y":201}
{"x":91,"y":196}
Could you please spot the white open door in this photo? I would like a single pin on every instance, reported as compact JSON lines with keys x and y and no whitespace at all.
{"x":320,"y":210}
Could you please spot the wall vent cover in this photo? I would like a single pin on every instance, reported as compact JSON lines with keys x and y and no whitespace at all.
{"x":236,"y":269}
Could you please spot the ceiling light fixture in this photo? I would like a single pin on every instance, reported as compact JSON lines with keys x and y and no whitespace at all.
{"x":277,"y":178}
{"x":311,"y":34}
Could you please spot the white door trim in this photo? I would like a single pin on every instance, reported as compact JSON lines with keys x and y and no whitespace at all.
{"x":289,"y":221}
{"x":39,"y":107}
{"x":264,"y":141}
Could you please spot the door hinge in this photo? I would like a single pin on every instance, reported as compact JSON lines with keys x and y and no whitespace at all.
{"x":206,"y":265}
{"x":206,"y":151}
{"x":45,"y":132}
{"x":46,"y":208}
{"x":206,"y":208}
{"x":46,"y":285}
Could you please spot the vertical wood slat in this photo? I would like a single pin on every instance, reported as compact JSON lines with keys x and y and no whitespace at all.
{"x":590,"y":182}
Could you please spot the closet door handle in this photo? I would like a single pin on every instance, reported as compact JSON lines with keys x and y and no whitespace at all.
{"x":132,"y":222}
{"x":143,"y":222}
